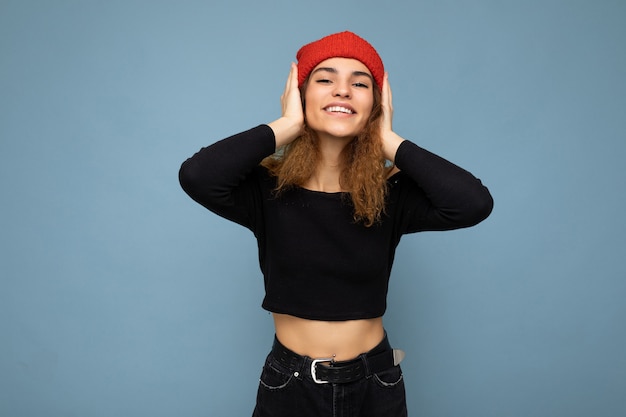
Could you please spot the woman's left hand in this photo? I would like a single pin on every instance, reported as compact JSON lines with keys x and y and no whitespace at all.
{"x":391,"y":141}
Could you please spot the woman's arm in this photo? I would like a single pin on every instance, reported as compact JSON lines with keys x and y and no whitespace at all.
{"x":444,"y":195}
{"x":217,"y":176}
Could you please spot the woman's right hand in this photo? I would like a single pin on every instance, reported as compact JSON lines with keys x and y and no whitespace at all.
{"x":291,"y":123}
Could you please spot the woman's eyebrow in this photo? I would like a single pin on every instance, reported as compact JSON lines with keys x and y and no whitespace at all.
{"x":327,"y":69}
{"x":334,"y":71}
{"x":362,"y":74}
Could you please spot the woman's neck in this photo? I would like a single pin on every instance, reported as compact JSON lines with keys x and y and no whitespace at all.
{"x":326,"y":177}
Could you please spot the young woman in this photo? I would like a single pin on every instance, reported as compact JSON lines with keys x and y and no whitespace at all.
{"x":328,"y":189}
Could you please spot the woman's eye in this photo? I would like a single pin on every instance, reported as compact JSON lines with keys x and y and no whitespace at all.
{"x":362,"y":85}
{"x":323,"y":81}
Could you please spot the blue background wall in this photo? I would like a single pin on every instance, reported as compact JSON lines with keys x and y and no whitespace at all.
{"x":119,"y":296}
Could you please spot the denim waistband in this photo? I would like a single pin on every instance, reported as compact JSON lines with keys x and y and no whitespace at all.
{"x":375,"y":360}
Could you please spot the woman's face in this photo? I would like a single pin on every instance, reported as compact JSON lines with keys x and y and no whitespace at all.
{"x":339,"y":97}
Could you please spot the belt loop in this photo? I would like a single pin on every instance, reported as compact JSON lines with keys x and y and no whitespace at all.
{"x":363,"y":357}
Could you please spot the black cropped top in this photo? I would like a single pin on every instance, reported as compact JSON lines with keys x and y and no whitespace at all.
{"x":317,"y":263}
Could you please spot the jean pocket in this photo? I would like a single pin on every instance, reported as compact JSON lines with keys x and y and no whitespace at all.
{"x":273,"y":379}
{"x":389,"y":378}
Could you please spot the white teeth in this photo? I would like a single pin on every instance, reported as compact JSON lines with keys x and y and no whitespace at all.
{"x":339,"y":109}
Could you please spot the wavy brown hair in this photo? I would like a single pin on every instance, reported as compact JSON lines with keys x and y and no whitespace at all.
{"x":365,"y":171}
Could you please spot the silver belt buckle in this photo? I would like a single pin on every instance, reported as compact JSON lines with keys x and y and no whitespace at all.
{"x":313,"y":372}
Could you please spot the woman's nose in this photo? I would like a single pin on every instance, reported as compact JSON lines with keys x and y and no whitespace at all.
{"x":341,"y":90}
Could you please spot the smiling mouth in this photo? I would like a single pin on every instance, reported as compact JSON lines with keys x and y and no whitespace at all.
{"x":339,"y":109}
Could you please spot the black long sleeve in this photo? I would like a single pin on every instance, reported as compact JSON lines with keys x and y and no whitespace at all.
{"x":309,"y":240}
{"x":216,"y":175}
{"x":450,"y":196}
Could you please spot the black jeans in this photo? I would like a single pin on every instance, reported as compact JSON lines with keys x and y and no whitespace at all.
{"x":293,"y":392}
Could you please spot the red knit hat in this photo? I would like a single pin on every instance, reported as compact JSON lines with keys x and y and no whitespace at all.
{"x":339,"y":45}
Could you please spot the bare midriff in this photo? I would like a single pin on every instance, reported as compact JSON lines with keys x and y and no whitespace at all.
{"x":341,"y":340}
